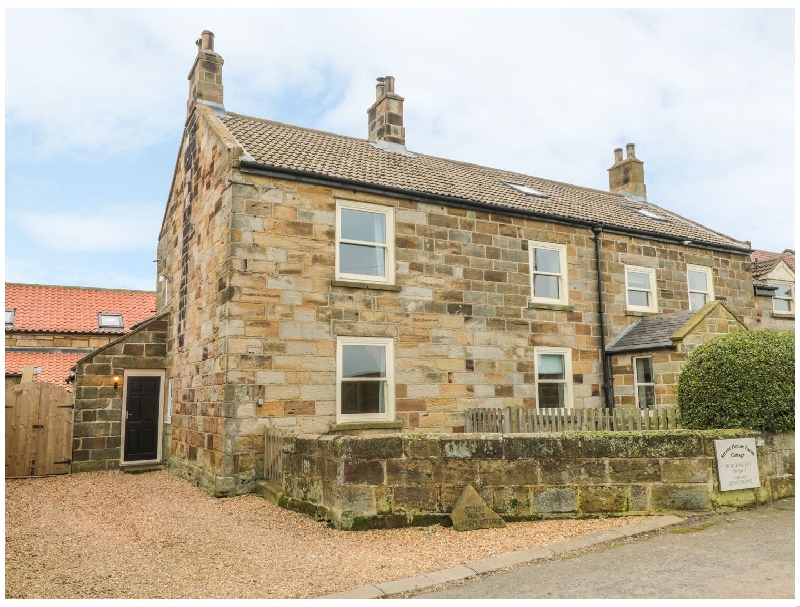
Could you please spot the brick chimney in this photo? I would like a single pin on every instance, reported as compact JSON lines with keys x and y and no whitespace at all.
{"x":627,"y":175}
{"x":205,"y":77}
{"x":386,"y":114}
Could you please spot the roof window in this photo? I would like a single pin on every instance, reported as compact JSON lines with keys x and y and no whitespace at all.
{"x":10,"y":316}
{"x":646,"y":213}
{"x":528,"y":191}
{"x":109,"y":321}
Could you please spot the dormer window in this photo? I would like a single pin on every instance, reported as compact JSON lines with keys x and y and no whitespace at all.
{"x":527,"y":190}
{"x":109,"y":321}
{"x":10,"y":316}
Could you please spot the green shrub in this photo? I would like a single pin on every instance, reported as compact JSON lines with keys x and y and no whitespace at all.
{"x":741,"y":380}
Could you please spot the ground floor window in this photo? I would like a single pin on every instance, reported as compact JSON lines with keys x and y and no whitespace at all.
{"x":644,"y":382}
{"x":365,"y":379}
{"x":553,"y":377}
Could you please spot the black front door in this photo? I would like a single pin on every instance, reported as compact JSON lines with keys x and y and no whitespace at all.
{"x":141,"y":422}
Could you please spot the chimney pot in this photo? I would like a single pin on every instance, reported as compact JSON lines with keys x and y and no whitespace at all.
{"x":379,"y":89}
{"x":389,"y":83}
{"x":207,"y":41}
{"x":617,"y":155}
{"x":630,"y":148}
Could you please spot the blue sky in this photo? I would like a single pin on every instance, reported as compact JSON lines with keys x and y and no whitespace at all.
{"x":96,"y":101}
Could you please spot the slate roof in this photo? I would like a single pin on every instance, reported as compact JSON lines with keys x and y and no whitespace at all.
{"x":56,"y":309}
{"x":764,"y":261}
{"x":285,"y":147}
{"x":649,"y":333}
{"x":56,"y":366}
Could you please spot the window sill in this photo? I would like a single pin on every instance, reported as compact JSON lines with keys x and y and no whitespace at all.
{"x":788,"y":315}
{"x":639,"y":313}
{"x":535,"y":305}
{"x":373,"y":425}
{"x":364,"y":285}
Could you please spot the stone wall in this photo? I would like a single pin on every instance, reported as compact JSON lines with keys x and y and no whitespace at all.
{"x":413,"y":479}
{"x":196,"y":256}
{"x":19,"y":339}
{"x":96,"y":432}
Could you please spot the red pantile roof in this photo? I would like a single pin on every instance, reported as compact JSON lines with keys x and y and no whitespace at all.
{"x":58,"y":309}
{"x":56,"y":367}
{"x":764,"y":261}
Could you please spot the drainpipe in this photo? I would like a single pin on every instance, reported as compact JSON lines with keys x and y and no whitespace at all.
{"x":605,"y":359}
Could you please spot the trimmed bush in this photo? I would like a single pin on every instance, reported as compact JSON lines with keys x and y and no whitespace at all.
{"x":741,"y":380}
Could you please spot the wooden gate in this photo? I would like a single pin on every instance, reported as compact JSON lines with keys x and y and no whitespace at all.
{"x":38,"y":430}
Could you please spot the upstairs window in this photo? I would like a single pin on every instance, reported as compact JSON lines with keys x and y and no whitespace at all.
{"x":10,"y":312}
{"x":640,"y":289}
{"x":365,"y":379}
{"x":364,"y":242}
{"x":701,"y":286}
{"x":644,"y":382}
{"x":109,"y":321}
{"x":553,"y":378}
{"x":782,"y":299}
{"x":548,"y":272}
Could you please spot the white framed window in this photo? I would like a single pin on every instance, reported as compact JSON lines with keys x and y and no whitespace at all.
{"x":783,"y":297}
{"x":364,"y":242}
{"x":364,"y":379}
{"x":109,"y":321}
{"x":640,"y":289}
{"x":553,"y":377}
{"x":701,"y":286}
{"x":644,"y":382}
{"x":548,"y":272}
{"x":10,"y":312}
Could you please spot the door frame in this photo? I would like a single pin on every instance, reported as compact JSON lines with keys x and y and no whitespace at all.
{"x":162,"y":373}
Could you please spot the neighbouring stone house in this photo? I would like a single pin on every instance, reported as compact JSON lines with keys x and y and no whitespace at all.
{"x":773,"y":282}
{"x":51,"y":327}
{"x":328,"y":284}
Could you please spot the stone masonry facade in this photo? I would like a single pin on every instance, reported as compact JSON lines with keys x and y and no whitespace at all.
{"x":256,"y":310}
{"x":97,"y":428}
{"x":667,"y":363}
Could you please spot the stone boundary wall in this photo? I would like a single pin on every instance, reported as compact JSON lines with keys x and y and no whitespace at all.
{"x":413,"y":479}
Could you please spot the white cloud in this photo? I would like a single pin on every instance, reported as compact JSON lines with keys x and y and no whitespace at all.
{"x":109,"y":228}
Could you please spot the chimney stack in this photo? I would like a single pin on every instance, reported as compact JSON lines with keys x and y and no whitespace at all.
{"x":627,"y":175}
{"x":386,"y":114}
{"x":205,"y":77}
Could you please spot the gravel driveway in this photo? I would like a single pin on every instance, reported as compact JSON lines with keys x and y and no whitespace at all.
{"x":152,"y":535}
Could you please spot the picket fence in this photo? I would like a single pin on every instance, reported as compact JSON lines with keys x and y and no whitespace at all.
{"x":518,"y":420}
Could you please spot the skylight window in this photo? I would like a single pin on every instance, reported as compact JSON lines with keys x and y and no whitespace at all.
{"x":109,"y":321}
{"x":647,"y":213}
{"x":10,"y":316}
{"x":528,"y":191}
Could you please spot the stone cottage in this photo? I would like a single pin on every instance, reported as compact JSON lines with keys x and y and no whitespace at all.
{"x":328,"y":284}
{"x":773,"y":283}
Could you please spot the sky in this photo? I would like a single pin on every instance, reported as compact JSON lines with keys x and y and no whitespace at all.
{"x":96,"y":101}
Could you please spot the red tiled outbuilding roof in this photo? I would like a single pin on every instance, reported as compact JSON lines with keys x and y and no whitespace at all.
{"x":56,"y":366}
{"x":57,"y":309}
{"x":764,"y":261}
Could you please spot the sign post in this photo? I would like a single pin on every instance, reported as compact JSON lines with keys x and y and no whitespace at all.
{"x":737,"y":464}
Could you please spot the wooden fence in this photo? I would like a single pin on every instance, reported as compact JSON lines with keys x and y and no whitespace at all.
{"x":38,"y":430}
{"x":517,"y":420}
{"x":274,"y":439}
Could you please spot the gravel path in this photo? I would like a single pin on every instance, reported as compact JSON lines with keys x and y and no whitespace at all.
{"x":152,"y":535}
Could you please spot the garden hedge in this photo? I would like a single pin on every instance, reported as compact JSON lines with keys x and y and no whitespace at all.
{"x":741,"y":380}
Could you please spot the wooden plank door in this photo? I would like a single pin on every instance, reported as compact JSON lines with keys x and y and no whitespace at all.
{"x":142,"y":423}
{"x":39,"y":419}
